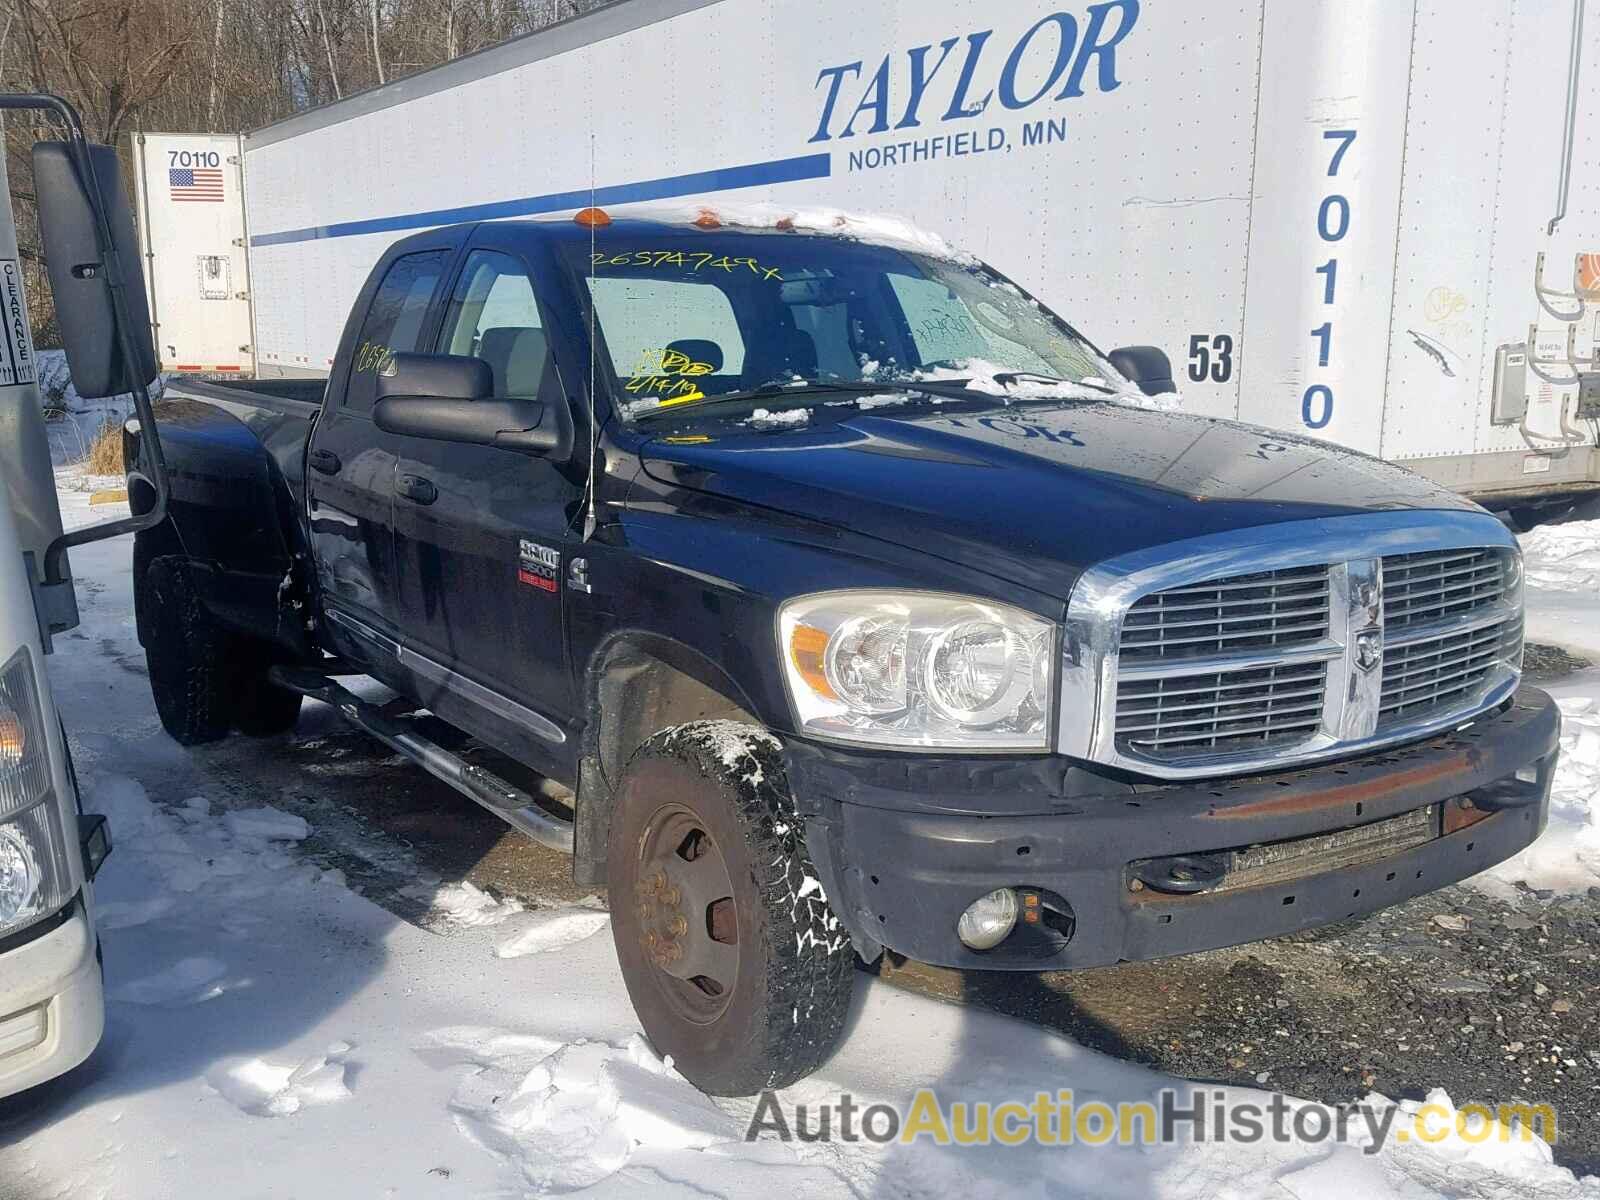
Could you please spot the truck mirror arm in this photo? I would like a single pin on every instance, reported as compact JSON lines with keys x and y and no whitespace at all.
{"x":115,"y":278}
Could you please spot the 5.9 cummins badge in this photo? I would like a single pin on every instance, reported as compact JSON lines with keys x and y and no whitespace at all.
{"x":539,"y":566}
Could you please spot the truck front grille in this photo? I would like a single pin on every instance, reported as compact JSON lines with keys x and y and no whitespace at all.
{"x":1418,"y":588}
{"x":1260,"y":668}
{"x":1445,"y":629}
{"x":1203,"y":671}
{"x":1440,"y":672}
{"x":1229,"y":616}
{"x":1221,"y":711}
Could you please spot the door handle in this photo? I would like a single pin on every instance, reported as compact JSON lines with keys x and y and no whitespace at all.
{"x":415,"y":487}
{"x":325,"y":461}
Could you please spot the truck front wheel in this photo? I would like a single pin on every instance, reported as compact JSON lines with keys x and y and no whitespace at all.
{"x":735,"y":963}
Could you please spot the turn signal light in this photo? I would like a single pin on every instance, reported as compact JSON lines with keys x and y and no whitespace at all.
{"x":806,"y":647}
{"x":13,"y":739}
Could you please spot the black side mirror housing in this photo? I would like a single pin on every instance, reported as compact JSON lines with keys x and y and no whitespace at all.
{"x":1147,"y":366}
{"x":73,"y":258}
{"x":449,"y":398}
{"x":441,"y":376}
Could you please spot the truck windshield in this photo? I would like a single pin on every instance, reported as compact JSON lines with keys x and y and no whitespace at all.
{"x":772,"y":318}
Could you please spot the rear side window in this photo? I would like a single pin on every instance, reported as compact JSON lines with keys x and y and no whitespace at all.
{"x":394,"y":322}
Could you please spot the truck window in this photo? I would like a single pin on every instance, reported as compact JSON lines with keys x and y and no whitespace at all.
{"x":649,"y":320}
{"x":394,"y":322}
{"x":688,"y":317}
{"x":944,"y":329}
{"x":494,"y":316}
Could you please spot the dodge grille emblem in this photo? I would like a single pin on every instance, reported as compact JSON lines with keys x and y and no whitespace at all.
{"x":1369,"y":648}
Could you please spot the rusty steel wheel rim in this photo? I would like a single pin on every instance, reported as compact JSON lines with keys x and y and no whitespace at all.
{"x":688,"y":928}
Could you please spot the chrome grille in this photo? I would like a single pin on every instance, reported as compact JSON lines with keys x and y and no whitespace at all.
{"x":1242,"y":655}
{"x":1445,"y":629}
{"x":1441,"y":672}
{"x":1220,"y":711}
{"x":1440,"y":583}
{"x":1222,"y":616}
{"x":1185,"y":703}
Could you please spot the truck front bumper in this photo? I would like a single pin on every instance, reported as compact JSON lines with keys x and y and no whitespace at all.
{"x":52,"y":1007}
{"x":904,"y":845}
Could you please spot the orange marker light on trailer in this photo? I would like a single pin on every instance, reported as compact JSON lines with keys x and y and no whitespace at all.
{"x":593,"y":218}
{"x":708,"y":220}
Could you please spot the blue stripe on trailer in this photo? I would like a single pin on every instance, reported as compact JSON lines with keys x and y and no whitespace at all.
{"x":723,"y":179}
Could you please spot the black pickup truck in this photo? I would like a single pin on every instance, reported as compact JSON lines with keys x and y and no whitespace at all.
{"x":861,"y":603}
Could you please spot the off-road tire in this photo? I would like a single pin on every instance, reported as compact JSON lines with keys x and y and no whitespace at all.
{"x":187,"y":653}
{"x":206,"y":680}
{"x":786,"y":1011}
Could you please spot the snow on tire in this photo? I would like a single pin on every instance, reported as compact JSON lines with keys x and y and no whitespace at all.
{"x":735,"y":962}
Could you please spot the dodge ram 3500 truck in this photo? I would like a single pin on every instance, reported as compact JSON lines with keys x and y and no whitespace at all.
{"x":862,"y":604}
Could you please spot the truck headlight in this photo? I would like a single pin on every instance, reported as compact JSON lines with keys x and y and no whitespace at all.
{"x":918,"y":669}
{"x":36,"y":877}
{"x":19,"y":875}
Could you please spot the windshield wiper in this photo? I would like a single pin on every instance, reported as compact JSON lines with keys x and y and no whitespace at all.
{"x":1009,"y":378}
{"x":801,"y":391}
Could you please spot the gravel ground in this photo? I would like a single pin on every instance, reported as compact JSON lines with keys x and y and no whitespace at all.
{"x":1492,"y":1001}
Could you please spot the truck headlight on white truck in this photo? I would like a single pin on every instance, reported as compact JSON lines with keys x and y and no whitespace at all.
{"x":35,"y":878}
{"x":918,"y":669}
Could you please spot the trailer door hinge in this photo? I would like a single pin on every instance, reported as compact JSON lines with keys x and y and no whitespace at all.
{"x":236,"y":241}
{"x":241,"y":295}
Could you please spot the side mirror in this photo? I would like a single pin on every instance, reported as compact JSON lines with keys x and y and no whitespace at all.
{"x":1147,"y":366}
{"x":447,"y":397}
{"x":73,"y":257}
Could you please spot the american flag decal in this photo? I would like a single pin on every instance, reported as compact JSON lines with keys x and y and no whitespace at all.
{"x":195,"y":183}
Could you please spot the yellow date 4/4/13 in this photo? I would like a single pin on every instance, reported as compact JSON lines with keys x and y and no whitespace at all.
{"x":685,"y":260}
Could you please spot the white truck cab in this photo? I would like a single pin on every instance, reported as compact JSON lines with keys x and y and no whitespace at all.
{"x":51,"y":1008}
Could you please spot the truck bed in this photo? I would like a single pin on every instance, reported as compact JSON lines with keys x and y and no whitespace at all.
{"x":268,"y":393}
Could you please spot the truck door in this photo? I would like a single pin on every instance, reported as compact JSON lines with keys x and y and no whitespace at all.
{"x":482,"y":535}
{"x":351,"y":463}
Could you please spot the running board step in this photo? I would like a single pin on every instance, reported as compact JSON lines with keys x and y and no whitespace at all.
{"x":508,"y":802}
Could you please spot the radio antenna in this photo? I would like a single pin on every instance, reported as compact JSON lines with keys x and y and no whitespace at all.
{"x":589,"y":518}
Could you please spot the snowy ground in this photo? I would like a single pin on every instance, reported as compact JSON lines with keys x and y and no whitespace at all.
{"x":272,"y":1033}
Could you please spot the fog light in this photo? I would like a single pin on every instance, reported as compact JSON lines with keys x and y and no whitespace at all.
{"x":19,"y":877}
{"x":988,"y":920}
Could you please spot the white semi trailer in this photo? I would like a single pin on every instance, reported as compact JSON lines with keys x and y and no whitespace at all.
{"x":1374,"y":221}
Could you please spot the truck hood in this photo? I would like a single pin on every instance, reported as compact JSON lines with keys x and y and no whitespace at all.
{"x":1031,"y":493}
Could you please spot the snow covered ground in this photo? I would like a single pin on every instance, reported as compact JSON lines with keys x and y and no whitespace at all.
{"x":1562,"y":566}
{"x":272,"y":1033}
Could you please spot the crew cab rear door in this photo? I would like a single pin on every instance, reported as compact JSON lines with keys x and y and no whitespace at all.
{"x":351,"y":463}
{"x":484,"y":536}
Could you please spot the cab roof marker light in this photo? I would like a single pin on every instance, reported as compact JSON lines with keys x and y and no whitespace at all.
{"x":592,"y":218}
{"x":708,"y":220}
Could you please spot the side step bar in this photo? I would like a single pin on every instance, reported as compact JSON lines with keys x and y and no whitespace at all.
{"x":511,"y":804}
